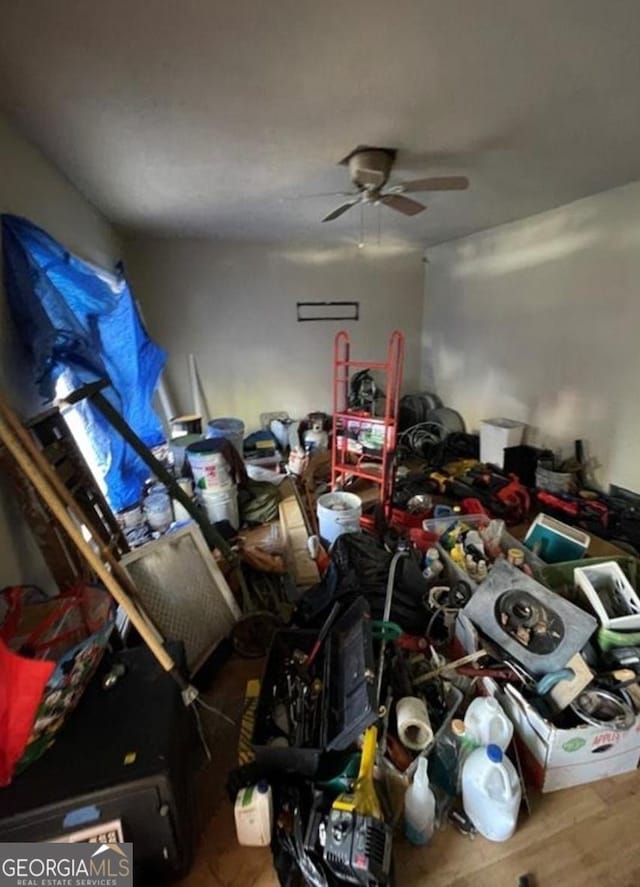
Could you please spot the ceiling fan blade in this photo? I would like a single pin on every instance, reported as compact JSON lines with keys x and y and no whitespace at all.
{"x":436,"y":183}
{"x":321,"y":194}
{"x":401,"y":204}
{"x":340,"y":210}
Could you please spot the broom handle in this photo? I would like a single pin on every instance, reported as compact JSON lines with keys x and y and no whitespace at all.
{"x":47,"y":492}
{"x":46,"y":469}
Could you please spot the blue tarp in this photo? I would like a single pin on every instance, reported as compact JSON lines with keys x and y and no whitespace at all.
{"x":83,"y":324}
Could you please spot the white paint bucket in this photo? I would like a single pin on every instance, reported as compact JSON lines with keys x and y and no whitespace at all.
{"x":180,"y":512}
{"x":228,"y":428}
{"x":221,"y":505}
{"x":338,"y":513}
{"x":179,"y":448}
{"x":210,"y":468}
{"x":157,"y":510}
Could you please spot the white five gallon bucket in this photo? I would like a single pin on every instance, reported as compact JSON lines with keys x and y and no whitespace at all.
{"x":338,"y":513}
{"x":228,"y":428}
{"x":221,"y":505}
{"x":210,"y":468}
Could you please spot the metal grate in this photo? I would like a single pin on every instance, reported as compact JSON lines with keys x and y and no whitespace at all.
{"x":184,"y":593}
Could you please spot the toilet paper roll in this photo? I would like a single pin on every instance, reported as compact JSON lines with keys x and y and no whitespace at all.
{"x":414,"y":727}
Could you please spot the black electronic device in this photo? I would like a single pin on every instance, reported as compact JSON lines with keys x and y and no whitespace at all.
{"x":358,"y":848}
{"x":121,"y":764}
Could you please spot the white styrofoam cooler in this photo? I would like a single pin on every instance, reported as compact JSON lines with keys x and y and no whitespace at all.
{"x":495,"y":435}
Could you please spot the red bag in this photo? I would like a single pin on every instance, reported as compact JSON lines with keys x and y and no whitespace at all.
{"x":22,"y":684}
{"x":49,"y":650}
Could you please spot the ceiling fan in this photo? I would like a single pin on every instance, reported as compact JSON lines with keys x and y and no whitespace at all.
{"x":370,"y":168}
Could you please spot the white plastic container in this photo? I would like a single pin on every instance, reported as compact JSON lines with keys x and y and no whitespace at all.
{"x":485,"y":723}
{"x":178,"y":447}
{"x":610,"y":594}
{"x":419,"y":807}
{"x":491,"y":793}
{"x":338,"y":513}
{"x":253,"y":812}
{"x":228,"y":428}
{"x":210,"y":468}
{"x":495,"y":435}
{"x":180,"y":513}
{"x":221,"y":505}
{"x":157,"y":511}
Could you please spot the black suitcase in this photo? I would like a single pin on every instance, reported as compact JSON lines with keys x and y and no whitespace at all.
{"x":126,"y":754}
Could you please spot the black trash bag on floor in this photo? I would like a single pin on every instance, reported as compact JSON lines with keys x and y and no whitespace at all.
{"x":360,"y":566}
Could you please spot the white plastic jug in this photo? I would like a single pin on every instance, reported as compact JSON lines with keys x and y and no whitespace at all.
{"x":419,"y":807}
{"x":253,"y":812}
{"x":491,"y":793}
{"x":486,"y":723}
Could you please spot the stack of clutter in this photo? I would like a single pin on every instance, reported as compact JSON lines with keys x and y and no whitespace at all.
{"x":439,"y":666}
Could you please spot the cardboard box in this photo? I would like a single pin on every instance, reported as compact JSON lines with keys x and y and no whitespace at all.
{"x":495,"y":435}
{"x":553,"y":758}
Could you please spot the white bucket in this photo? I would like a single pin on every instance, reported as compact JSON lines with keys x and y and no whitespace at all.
{"x":157,"y":510}
{"x":229,"y":429}
{"x":210,"y":468}
{"x":178,"y":447}
{"x":180,"y":513}
{"x":221,"y":505}
{"x":338,"y":513}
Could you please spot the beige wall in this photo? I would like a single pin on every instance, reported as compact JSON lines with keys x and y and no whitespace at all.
{"x":31,"y":187}
{"x":234,"y":307}
{"x":539,"y":320}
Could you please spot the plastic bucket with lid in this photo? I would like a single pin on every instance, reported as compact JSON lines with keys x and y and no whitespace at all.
{"x":178,"y":447}
{"x":228,"y":428}
{"x":210,"y":468}
{"x":221,"y":505}
{"x":338,"y":513}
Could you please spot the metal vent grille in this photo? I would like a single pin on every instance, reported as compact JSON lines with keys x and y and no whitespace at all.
{"x":183,"y":592}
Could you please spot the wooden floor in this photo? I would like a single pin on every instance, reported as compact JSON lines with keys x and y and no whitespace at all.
{"x":582,"y":837}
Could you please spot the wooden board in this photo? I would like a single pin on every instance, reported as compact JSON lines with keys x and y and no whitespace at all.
{"x":294,"y":534}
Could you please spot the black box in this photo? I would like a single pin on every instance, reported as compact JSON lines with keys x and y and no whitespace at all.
{"x":348,"y":702}
{"x":124,"y":754}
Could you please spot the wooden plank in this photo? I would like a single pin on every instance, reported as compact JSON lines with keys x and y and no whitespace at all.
{"x":294,"y":534}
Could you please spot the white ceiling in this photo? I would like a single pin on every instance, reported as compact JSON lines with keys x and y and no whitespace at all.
{"x":203,"y":117}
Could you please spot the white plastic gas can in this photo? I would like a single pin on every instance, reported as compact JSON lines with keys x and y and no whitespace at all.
{"x":253,"y":812}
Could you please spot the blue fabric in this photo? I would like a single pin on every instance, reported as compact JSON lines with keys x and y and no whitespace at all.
{"x":75,"y":320}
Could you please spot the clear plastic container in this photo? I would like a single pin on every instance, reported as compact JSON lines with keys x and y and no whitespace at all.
{"x":419,"y":807}
{"x":491,"y":793}
{"x":437,"y":527}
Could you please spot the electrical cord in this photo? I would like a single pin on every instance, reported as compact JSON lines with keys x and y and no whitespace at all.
{"x":216,"y":711}
{"x":423,"y":438}
{"x":200,"y":729}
